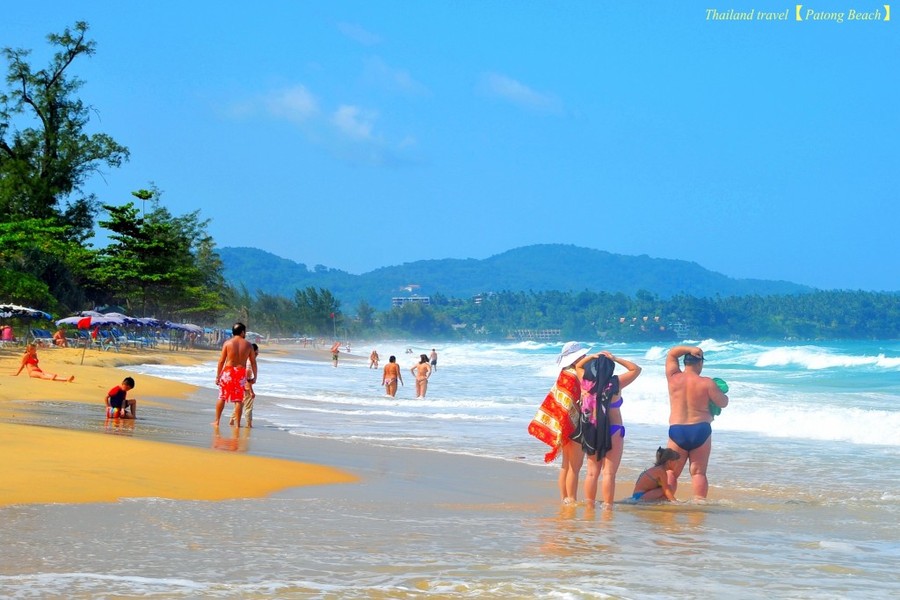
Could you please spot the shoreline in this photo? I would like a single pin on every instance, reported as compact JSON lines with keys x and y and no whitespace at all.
{"x":65,"y":454}
{"x":58,"y":430}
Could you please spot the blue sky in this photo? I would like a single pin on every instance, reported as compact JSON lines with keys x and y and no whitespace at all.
{"x":364,"y":134}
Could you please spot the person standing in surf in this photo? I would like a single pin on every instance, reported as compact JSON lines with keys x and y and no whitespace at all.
{"x":231,"y":372}
{"x":558,"y":420}
{"x":335,"y":352}
{"x":422,"y":372}
{"x":690,"y":432}
{"x":390,"y":376}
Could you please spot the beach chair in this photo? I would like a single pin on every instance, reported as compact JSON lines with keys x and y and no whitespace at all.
{"x":84,"y":337}
{"x":122,"y":337}
{"x":107,"y":340}
{"x":140,"y":339}
{"x":42,"y":337}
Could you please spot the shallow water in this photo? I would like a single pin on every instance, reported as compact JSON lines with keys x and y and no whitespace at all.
{"x":298,"y":547}
{"x":804,"y":475}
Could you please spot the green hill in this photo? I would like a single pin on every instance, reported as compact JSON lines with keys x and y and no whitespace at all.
{"x":543,"y":267}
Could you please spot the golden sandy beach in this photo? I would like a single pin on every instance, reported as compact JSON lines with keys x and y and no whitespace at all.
{"x":53,"y":465}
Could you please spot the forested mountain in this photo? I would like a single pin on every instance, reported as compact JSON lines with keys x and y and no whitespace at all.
{"x":544,"y":267}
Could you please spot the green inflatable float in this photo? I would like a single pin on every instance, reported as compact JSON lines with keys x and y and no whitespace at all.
{"x":714,"y":410}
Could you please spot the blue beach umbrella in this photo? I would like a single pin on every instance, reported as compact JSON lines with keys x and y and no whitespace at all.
{"x":14,"y":311}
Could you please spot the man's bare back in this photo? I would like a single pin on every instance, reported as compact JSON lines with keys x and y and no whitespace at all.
{"x":236,"y":352}
{"x":689,"y":431}
{"x":689,"y":392}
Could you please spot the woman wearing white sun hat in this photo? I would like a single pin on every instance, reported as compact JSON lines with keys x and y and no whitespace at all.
{"x":557,"y":418}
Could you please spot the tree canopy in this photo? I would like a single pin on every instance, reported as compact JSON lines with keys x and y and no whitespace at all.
{"x":158,"y":263}
{"x":45,"y":153}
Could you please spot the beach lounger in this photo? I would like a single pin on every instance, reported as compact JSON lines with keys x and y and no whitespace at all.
{"x":42,"y":337}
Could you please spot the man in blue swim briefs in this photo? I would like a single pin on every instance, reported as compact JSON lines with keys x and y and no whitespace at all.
{"x":690,"y":432}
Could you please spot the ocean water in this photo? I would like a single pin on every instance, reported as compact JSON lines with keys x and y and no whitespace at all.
{"x":843,"y":394}
{"x":805,"y":480}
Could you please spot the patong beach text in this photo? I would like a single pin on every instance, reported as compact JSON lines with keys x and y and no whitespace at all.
{"x":800,"y":12}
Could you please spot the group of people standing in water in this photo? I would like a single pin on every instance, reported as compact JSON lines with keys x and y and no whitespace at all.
{"x":581,"y":418}
{"x":422,"y":371}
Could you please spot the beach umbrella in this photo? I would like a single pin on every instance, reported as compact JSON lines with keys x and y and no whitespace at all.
{"x":125,"y":318}
{"x":13,"y":311}
{"x":190,"y":327}
{"x":86,"y":322}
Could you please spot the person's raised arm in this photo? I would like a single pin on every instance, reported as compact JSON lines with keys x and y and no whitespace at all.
{"x":579,"y":366}
{"x":672,"y":366}
{"x":633,"y":369}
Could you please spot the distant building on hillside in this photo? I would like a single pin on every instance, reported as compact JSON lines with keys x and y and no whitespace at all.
{"x":537,"y":335}
{"x":401,"y":300}
{"x":680,"y":329}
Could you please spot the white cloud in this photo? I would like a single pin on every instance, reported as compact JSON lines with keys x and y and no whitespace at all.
{"x":295,"y":104}
{"x":358,"y":34}
{"x":348,"y":132}
{"x":507,"y":88}
{"x":354,"y":122}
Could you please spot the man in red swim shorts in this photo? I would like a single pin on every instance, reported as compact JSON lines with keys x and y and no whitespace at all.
{"x":231,"y":372}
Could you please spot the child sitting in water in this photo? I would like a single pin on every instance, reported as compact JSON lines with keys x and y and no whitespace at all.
{"x":117,"y":403}
{"x":653,"y":484}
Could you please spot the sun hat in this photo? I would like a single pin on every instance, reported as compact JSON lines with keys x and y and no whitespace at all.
{"x":571,"y":352}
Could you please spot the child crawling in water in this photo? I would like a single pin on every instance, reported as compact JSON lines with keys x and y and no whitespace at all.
{"x":653,"y":484}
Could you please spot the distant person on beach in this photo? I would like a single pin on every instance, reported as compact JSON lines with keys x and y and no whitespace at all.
{"x":7,"y":334}
{"x":30,"y":363}
{"x":603,"y":435}
{"x":231,"y":372}
{"x":249,"y":397}
{"x":433,"y":358}
{"x":653,"y":483}
{"x":59,"y":338}
{"x":391,"y":375}
{"x":690,"y":432}
{"x":557,"y":419}
{"x":117,"y":402}
{"x":373,"y":360}
{"x":422,"y":371}
{"x":335,"y":352}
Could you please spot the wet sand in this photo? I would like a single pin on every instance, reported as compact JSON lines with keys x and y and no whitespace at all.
{"x":68,"y":452}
